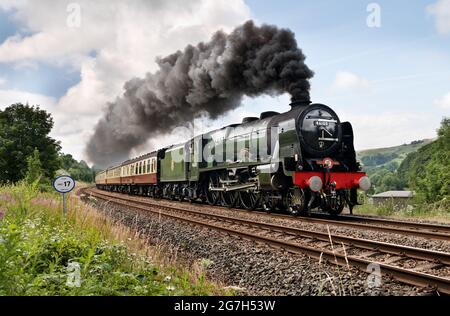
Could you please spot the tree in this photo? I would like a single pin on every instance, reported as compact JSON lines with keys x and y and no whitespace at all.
{"x":78,"y":170}
{"x":23,"y":129}
{"x":34,"y":168}
{"x":426,"y":171}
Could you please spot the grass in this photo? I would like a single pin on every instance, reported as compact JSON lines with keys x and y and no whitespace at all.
{"x":439,"y":211}
{"x":43,"y":252}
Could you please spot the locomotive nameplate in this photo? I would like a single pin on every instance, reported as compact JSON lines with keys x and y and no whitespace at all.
{"x":322,"y":123}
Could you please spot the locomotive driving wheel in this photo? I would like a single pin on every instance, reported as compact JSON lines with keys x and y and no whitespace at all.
{"x":212,"y":197}
{"x":295,"y":202}
{"x":229,"y":199}
{"x":249,"y":200}
{"x":267,"y":202}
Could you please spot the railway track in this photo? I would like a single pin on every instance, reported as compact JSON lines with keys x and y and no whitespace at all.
{"x":425,"y":230}
{"x":427,"y":269}
{"x":444,"y":229}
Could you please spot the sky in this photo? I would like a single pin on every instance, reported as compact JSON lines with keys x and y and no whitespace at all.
{"x":384,"y":66}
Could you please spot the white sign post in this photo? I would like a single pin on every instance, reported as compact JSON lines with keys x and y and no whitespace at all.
{"x":64,"y":185}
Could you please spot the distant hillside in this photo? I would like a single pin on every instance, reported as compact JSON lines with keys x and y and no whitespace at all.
{"x":382,"y":164}
{"x":389,"y":157}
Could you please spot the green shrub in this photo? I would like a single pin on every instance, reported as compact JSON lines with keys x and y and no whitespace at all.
{"x":39,"y":247}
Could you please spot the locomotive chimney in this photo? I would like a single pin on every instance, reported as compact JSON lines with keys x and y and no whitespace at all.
{"x":296,"y":103}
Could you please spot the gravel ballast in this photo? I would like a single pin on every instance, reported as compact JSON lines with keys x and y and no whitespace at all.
{"x":252,"y":268}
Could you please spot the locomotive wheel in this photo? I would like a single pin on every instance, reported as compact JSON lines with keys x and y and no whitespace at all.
{"x":249,"y":200}
{"x":295,"y":202}
{"x":267,"y":202}
{"x":229,"y":199}
{"x":168,"y":192}
{"x":334,"y":206}
{"x":213,"y":196}
{"x":191,"y":194}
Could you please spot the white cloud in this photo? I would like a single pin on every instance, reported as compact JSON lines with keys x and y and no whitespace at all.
{"x":441,"y":12}
{"x":2,"y":81}
{"x":386,"y":129}
{"x":349,"y":82}
{"x":9,"y":97}
{"x":444,"y":102}
{"x":126,"y":38}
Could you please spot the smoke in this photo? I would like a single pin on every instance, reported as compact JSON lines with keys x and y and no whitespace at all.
{"x":209,"y":79}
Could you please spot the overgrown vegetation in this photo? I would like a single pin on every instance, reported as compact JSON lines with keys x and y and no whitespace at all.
{"x":418,"y":209}
{"x":42,"y":252}
{"x":427,"y":171}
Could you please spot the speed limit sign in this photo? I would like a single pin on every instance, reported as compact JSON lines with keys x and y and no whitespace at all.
{"x":64,"y":184}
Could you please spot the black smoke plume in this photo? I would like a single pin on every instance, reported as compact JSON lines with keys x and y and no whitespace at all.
{"x":209,"y":79}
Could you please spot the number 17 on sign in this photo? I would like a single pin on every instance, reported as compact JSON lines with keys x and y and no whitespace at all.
{"x":64,"y":185}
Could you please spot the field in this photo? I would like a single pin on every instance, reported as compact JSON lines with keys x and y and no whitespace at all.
{"x":43,"y":252}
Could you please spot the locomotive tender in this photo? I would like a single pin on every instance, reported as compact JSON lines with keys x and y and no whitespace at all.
{"x":295,"y":161}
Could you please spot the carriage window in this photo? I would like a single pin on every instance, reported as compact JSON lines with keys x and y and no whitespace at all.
{"x":148,"y":167}
{"x":141,"y":169}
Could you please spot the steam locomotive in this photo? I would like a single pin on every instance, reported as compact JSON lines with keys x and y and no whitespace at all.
{"x":296,"y":161}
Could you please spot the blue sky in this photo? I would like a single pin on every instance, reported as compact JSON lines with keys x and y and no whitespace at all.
{"x":392,"y":82}
{"x":406,"y":61}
